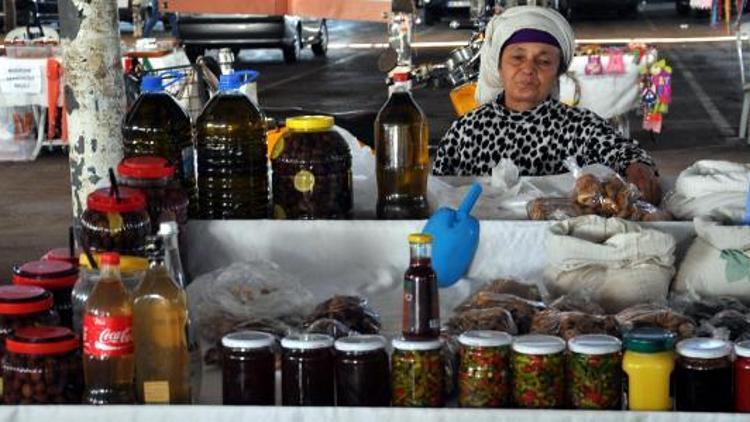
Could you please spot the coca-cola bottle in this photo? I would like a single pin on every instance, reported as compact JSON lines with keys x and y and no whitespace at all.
{"x":108,"y":363}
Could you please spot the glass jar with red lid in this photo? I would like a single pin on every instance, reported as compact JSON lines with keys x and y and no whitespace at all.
{"x":166,"y":199}
{"x":42,"y":366}
{"x":742,"y":377}
{"x":116,"y":220}
{"x":62,"y":254}
{"x":23,"y":306}
{"x":58,"y":277}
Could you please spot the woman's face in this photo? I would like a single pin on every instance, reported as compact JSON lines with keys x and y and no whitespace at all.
{"x":529,"y":73}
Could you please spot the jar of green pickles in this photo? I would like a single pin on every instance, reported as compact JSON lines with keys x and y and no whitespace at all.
{"x":417,"y":373}
{"x":538,"y":367}
{"x":595,"y":372}
{"x":484,"y":369}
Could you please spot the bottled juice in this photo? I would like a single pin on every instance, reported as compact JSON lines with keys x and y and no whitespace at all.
{"x":108,"y":338}
{"x":156,"y":125}
{"x":402,"y":156}
{"x":232,"y":155}
{"x":162,"y":362}
{"x":421,"y":306}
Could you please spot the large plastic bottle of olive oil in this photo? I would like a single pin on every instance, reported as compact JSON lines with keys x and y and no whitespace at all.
{"x":231,"y":150}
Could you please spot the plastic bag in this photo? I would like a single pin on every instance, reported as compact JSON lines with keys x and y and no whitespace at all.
{"x":728,"y":325}
{"x":512,"y":287}
{"x":575,"y":302}
{"x":571,"y":324}
{"x":701,"y":308}
{"x":246,"y":294}
{"x":494,"y":318}
{"x":342,"y":316}
{"x":553,"y":209}
{"x":521,"y":310}
{"x":653,"y":315}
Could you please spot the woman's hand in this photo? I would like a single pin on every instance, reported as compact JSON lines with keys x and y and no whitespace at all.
{"x":645,"y":178}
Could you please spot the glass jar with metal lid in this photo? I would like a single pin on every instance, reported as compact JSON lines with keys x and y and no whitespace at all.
{"x":312,"y":171}
{"x":307,"y":374}
{"x":362,"y":371}
{"x":166,"y":199}
{"x":742,"y":377}
{"x":595,"y":372}
{"x":58,"y":277}
{"x":703,"y":376}
{"x":417,"y":373}
{"x":42,"y":366}
{"x":116,"y":223}
{"x":538,"y":366}
{"x":249,"y":368}
{"x":484,"y":369}
{"x":648,"y":363}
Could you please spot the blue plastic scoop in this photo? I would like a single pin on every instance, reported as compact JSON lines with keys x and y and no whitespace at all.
{"x":455,"y":237}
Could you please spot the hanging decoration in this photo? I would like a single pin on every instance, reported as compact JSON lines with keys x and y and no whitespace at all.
{"x":656,"y":95}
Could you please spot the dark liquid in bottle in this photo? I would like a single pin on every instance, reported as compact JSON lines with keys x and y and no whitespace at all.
{"x":307,"y":378}
{"x":249,"y":377}
{"x":421,"y":313}
{"x":362,"y":379}
{"x":403,"y":163}
{"x":703,"y":389}
{"x":232,"y":162}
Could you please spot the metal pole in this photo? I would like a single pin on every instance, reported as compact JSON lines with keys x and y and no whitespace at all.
{"x":94,"y":91}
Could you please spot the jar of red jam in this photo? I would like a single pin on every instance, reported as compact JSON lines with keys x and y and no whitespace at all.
{"x":249,"y":368}
{"x":307,"y":370}
{"x":742,"y":377}
{"x":703,"y":376}
{"x":362,"y":374}
{"x":58,"y":277}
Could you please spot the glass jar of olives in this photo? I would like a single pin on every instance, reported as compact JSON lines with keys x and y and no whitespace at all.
{"x":249,"y":368}
{"x":116,"y":223}
{"x":362,"y":375}
{"x":58,"y":277}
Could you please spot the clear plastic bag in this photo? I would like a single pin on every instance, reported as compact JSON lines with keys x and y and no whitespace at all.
{"x":521,"y":310}
{"x":654,"y":315}
{"x":728,"y":325}
{"x":247,"y":294}
{"x":492,"y":318}
{"x":342,"y":316}
{"x":571,"y":324}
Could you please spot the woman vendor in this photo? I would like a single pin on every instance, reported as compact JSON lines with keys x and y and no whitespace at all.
{"x":525,"y":51}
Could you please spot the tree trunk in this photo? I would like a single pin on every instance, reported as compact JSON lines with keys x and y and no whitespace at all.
{"x":94,"y":92}
{"x":9,"y":15}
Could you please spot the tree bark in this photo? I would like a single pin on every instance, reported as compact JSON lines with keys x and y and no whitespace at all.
{"x":94,"y":91}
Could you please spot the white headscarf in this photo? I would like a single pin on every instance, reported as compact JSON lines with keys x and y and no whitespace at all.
{"x":502,"y":27}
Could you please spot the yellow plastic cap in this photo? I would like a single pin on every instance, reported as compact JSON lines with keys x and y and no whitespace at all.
{"x":310,"y":123}
{"x":128,"y":263}
{"x":420,"y":238}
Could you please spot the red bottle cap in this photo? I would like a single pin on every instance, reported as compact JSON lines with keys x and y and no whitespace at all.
{"x":147,"y":167}
{"x":21,"y":300}
{"x":42,"y":341}
{"x":46,"y":274}
{"x":109,"y":258}
{"x":103,"y":200}
{"x":401,"y":77}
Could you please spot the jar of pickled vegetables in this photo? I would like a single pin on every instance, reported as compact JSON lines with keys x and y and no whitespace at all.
{"x":648,"y":364}
{"x":249,"y":368}
{"x":742,"y":377}
{"x":417,"y":373}
{"x":58,"y":277}
{"x":307,"y":377}
{"x":538,"y":367}
{"x":312,"y":171}
{"x":595,"y":372}
{"x":362,"y":372}
{"x":703,"y":376}
{"x":484,"y":369}
{"x":114,"y":223}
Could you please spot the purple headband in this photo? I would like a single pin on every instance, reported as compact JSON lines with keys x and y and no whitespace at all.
{"x":531,"y":35}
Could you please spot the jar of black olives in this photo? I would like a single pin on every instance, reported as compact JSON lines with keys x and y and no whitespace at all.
{"x":23,"y":306}
{"x":307,"y":370}
{"x":312,"y":171}
{"x":166,"y":199}
{"x":58,"y":277}
{"x":116,"y":223}
{"x":42,"y":366}
{"x":249,"y":368}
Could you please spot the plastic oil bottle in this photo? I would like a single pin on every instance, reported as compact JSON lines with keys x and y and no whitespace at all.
{"x":232,"y":154}
{"x":157,"y":125}
{"x":401,"y":155}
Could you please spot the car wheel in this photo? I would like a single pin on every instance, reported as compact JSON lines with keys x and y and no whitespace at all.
{"x":320,"y":48}
{"x":293,"y":52}
{"x":683,"y":7}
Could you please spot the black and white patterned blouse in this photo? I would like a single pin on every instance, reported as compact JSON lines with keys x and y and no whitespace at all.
{"x":537,"y":141}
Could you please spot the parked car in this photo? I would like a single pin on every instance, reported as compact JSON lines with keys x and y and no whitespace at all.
{"x":291,"y":34}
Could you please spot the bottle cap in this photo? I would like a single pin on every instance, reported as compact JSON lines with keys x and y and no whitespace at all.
{"x":168,"y":228}
{"x":310,"y":123}
{"x":150,"y":83}
{"x":230,"y":82}
{"x":248,"y":340}
{"x":307,"y":341}
{"x":420,"y":238}
{"x":46,"y":274}
{"x":649,"y":340}
{"x":109,"y":258}
{"x":148,"y":167}
{"x":363,"y":343}
{"x":42,"y":341}
{"x":20,"y":300}
{"x":104,"y":200}
{"x":61,"y":254}
{"x":536,"y":344}
{"x":417,"y":345}
{"x":704,"y":348}
{"x":594,"y":344}
{"x":485,"y":338}
{"x":401,"y":77}
{"x":742,"y":349}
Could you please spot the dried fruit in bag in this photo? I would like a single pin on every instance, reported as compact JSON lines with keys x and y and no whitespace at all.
{"x":653,"y":315}
{"x":521,"y":310}
{"x":589,"y":192}
{"x":512,"y":287}
{"x":552,"y":209}
{"x":498,"y":319}
{"x":351,"y":311}
{"x":576,"y":303}
{"x":571,"y":324}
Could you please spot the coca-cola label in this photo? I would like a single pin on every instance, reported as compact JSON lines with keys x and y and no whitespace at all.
{"x":109,"y":336}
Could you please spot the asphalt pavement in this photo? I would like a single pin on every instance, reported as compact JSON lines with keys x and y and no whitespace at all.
{"x":702,"y":123}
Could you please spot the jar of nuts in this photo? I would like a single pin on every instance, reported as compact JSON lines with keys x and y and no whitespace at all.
{"x":42,"y":366}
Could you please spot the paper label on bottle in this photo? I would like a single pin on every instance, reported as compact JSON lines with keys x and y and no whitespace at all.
{"x":278,"y":148}
{"x":156,"y":391}
{"x":304,"y":181}
{"x":1,"y":386}
{"x":110,"y":336}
